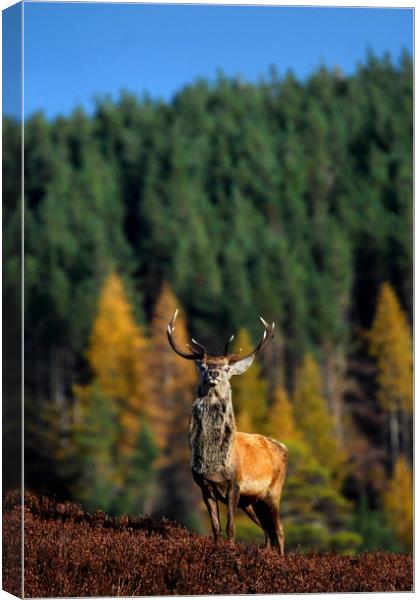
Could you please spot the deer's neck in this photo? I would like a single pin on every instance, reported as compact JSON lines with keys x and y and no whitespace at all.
{"x":212,"y":430}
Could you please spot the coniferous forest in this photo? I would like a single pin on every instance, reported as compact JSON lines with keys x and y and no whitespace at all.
{"x":288,"y":199}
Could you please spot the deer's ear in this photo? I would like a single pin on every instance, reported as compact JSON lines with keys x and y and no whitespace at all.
{"x":241,"y":366}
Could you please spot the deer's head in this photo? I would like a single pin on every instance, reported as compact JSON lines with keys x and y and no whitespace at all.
{"x":217,"y":370}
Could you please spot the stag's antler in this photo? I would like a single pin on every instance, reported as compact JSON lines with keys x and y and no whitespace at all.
{"x":196,"y":354}
{"x":230,"y":340}
{"x":266,"y":337}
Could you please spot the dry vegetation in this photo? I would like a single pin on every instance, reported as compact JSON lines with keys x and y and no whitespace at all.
{"x":69,"y":552}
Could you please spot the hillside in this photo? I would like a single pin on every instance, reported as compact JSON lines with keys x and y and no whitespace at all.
{"x":69,"y":552}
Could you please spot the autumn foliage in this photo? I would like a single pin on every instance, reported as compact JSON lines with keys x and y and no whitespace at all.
{"x":399,"y":502}
{"x":116,"y":355}
{"x":281,"y":423}
{"x":314,"y":419}
{"x":391,"y":346}
{"x":69,"y":552}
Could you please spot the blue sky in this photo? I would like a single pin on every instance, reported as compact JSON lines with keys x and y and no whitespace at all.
{"x":75,"y":51}
{"x":12,"y":58}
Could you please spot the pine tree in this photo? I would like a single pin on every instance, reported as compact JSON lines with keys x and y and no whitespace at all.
{"x":249,"y":391}
{"x":314,"y":420}
{"x":93,"y":454}
{"x":390,"y":344}
{"x":139,"y":490}
{"x":398,"y":503}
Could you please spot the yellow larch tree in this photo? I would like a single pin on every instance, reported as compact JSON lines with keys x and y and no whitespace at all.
{"x":398,"y":503}
{"x":390,"y":343}
{"x":110,"y":441}
{"x":280,"y":422}
{"x":249,"y":391}
{"x":314,"y":420}
{"x":116,"y":354}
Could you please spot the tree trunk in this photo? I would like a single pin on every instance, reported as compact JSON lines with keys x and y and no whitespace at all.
{"x":60,"y":381}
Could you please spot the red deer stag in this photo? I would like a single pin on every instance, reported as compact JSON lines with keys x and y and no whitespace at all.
{"x":240,"y":469}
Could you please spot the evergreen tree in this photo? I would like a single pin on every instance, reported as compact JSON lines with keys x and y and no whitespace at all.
{"x":67,"y":255}
{"x":139,"y":490}
{"x":41,"y":159}
{"x":93,"y":453}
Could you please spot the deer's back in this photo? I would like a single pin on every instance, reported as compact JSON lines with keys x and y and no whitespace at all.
{"x":261,"y":463}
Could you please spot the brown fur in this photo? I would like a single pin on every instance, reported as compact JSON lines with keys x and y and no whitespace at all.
{"x":258,"y":467}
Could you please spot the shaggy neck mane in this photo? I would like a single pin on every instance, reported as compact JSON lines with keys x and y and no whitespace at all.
{"x":212,"y":428}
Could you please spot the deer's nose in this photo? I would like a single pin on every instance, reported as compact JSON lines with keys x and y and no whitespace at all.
{"x":213,"y":374}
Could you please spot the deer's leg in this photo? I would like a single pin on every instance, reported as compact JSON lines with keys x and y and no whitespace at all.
{"x":213,"y":508}
{"x":278,"y":526}
{"x":248,"y":510}
{"x":263,"y":514}
{"x":276,"y":516}
{"x":277,"y":534}
{"x":211,"y":503}
{"x":280,"y":535}
{"x":232,"y":503}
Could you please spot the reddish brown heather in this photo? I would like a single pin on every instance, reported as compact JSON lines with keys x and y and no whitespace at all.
{"x":72,"y":553}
